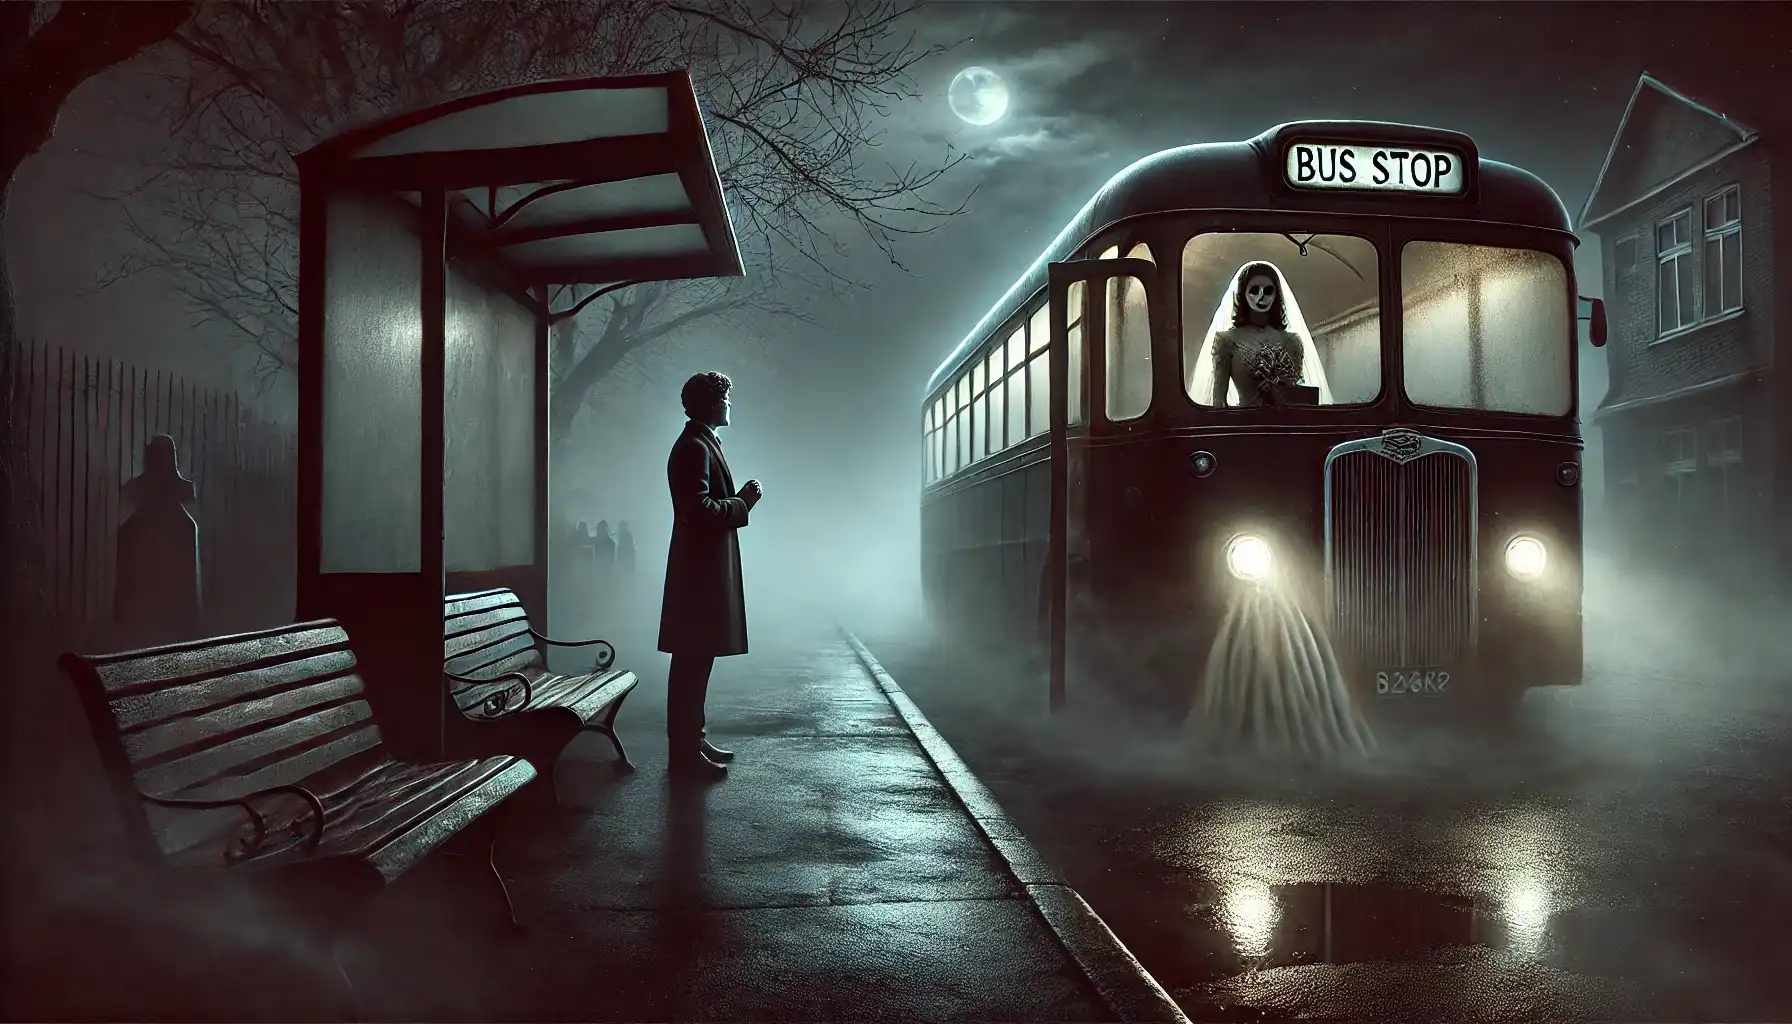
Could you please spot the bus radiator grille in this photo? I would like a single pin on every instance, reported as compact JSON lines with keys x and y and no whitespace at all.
{"x":1401,"y":558}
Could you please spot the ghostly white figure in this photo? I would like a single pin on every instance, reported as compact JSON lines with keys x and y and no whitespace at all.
{"x":1257,"y":345}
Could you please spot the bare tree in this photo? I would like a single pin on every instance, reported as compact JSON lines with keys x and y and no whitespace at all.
{"x":46,"y":51}
{"x":793,"y":92}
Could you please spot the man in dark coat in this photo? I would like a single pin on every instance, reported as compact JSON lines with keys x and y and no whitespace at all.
{"x":704,"y":616}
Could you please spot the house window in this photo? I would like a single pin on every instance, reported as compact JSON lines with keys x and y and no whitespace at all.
{"x":1676,"y":294}
{"x":1723,"y":252}
{"x":1624,"y":254}
{"x":1680,"y":464}
{"x":1723,"y":454}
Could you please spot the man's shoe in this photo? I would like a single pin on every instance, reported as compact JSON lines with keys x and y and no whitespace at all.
{"x":717,"y":754}
{"x":696,"y":767}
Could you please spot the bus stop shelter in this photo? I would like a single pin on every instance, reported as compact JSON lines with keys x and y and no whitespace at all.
{"x":428,"y":246}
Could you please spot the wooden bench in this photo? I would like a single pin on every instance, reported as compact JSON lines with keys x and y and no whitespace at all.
{"x":497,"y":676}
{"x":257,"y":755}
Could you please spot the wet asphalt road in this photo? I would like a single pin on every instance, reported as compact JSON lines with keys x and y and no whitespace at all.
{"x":1622,"y":851}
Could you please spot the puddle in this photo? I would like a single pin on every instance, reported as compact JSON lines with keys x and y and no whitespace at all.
{"x":1338,"y":923}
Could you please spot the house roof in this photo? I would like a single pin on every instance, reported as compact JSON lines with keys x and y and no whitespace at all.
{"x":570,"y":181}
{"x":1650,"y":87}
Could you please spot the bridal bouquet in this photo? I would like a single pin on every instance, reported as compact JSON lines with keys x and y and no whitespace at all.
{"x":1274,"y":369}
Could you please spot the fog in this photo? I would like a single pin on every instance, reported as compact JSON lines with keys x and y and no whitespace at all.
{"x":836,"y":538}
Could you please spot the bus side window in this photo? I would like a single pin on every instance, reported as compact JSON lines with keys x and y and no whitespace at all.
{"x":927,"y":445}
{"x":979,"y":414}
{"x":1039,"y":400}
{"x":958,"y":435}
{"x":1128,"y":345}
{"x":1073,"y":318}
{"x":997,"y":418}
{"x":1017,"y":385}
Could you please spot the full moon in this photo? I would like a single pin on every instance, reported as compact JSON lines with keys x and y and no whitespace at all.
{"x":978,"y":96}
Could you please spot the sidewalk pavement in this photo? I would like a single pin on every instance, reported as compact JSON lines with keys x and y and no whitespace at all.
{"x":849,"y":868}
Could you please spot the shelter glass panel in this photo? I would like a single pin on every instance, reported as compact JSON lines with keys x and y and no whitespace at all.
{"x":1486,"y":328}
{"x":373,"y":388}
{"x":488,"y":469}
{"x":1316,"y":340}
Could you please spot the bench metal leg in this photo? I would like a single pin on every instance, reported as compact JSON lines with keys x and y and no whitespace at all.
{"x":491,"y":860}
{"x":489,"y":829}
{"x":608,"y":728}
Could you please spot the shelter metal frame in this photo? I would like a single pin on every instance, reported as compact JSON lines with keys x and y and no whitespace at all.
{"x":501,"y":196}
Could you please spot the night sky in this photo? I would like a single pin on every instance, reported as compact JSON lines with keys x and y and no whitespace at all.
{"x":828,"y":420}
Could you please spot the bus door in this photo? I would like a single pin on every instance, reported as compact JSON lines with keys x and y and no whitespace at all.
{"x":1077,"y":372}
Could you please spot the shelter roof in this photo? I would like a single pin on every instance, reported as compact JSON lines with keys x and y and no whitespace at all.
{"x":567,"y":181}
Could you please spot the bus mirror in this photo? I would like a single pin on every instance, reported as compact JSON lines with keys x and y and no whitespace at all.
{"x":1596,"y":322}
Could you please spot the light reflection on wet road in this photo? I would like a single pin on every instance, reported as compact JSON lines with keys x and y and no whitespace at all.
{"x":1624,"y":851}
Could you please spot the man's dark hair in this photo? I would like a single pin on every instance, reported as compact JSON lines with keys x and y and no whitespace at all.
{"x":703,"y":392}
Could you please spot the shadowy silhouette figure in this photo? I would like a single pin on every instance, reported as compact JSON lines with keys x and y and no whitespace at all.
{"x":625,"y":551}
{"x":156,"y":598}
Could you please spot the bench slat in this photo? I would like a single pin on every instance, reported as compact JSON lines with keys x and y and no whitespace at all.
{"x":507,"y":775}
{"x":146,"y":709}
{"x":232,"y":720}
{"x":597,"y":698}
{"x":397,"y":797}
{"x":283,"y":755}
{"x":121,"y":674}
{"x":479,"y":601}
{"x":455,"y":627}
{"x":472,"y":640}
{"x":511,"y":653}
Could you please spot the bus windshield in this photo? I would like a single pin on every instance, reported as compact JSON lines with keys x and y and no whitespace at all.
{"x":1486,"y":328}
{"x":1270,"y":318}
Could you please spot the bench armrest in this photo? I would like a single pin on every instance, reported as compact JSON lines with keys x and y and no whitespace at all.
{"x":605,"y":657}
{"x":253,"y":844}
{"x":498,"y":704}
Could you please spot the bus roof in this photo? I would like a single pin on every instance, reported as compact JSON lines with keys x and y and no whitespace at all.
{"x":1244,"y":176}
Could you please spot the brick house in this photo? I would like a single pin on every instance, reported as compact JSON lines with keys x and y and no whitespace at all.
{"x":1687,"y":207}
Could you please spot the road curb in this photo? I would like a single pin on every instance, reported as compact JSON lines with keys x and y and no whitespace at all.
{"x":1123,"y":983}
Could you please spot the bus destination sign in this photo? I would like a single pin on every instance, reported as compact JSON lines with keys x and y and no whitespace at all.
{"x":1326,"y":165}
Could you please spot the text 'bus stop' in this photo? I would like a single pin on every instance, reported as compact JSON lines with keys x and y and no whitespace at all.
{"x":428,"y":245}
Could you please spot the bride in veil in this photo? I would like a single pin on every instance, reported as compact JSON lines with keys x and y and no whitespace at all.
{"x":1258,"y":350}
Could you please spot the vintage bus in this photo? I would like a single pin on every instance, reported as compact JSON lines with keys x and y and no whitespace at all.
{"x":1338,"y":359}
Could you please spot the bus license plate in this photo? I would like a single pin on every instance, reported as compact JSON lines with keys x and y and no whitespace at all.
{"x":1403,"y":681}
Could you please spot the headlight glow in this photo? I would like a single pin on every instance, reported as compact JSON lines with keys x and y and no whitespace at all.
{"x":1249,"y":558}
{"x":1526,"y":558}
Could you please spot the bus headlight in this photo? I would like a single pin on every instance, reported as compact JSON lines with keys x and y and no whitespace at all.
{"x":1249,"y":558}
{"x":1526,"y":558}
